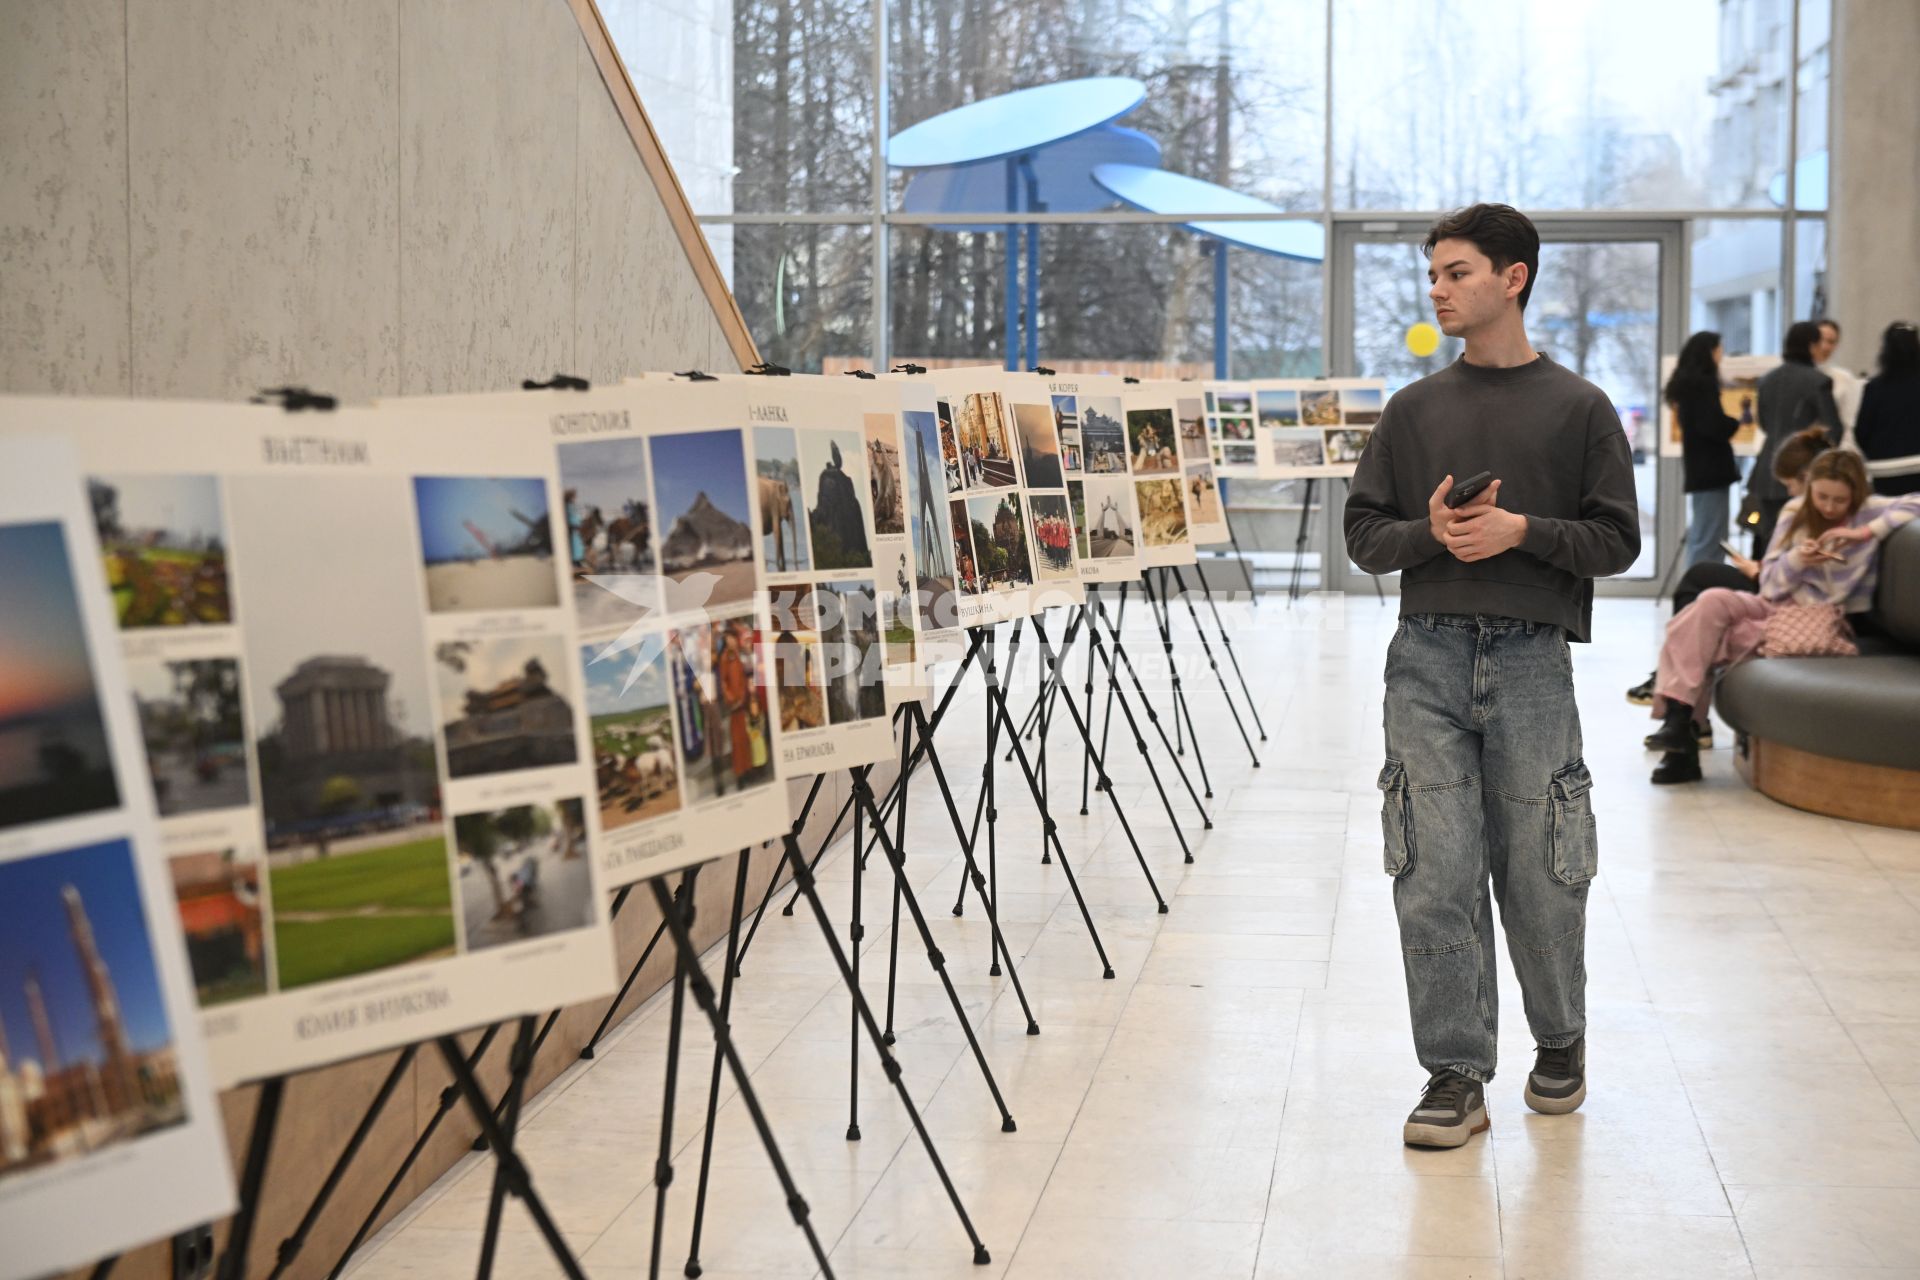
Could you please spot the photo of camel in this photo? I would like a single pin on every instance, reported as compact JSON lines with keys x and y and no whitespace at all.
{"x":833,"y":464}
{"x":776,"y":467}
{"x":609,"y":507}
{"x":1150,"y":441}
{"x":883,"y":474}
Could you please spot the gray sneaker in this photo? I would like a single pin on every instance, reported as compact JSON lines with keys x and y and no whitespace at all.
{"x":1452,"y":1109}
{"x":1558,"y":1082}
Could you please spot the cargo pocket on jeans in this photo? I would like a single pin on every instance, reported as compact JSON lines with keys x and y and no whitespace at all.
{"x":1396,"y":817}
{"x":1575,"y":856}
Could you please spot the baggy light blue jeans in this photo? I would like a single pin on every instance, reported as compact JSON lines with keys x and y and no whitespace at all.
{"x":1707,"y":513}
{"x":1484,"y":784}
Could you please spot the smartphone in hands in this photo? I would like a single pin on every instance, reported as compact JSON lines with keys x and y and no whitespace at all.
{"x":1467,"y":490}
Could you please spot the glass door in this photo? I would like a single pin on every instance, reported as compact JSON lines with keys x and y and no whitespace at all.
{"x":1606,"y":304}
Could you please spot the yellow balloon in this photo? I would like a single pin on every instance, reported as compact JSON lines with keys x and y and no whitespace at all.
{"x":1423,"y":339}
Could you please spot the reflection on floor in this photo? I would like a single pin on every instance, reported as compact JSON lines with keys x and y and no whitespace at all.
{"x":1230,"y":1105}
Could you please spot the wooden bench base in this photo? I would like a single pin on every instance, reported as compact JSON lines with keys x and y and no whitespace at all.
{"x":1872,"y":793}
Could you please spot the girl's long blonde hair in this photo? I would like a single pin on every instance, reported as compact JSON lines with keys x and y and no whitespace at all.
{"x":1843,"y":465}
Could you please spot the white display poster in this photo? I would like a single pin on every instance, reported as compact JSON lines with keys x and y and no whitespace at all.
{"x":1206,"y":514}
{"x":882,"y":409}
{"x":815,"y":474}
{"x":1093,"y":453}
{"x":1739,"y":399}
{"x":1029,"y":406}
{"x":937,"y":597}
{"x":1230,"y":433}
{"x":1315,"y":428}
{"x":362,"y":713}
{"x":985,"y":510}
{"x":1159,"y":485}
{"x":110,"y":1135}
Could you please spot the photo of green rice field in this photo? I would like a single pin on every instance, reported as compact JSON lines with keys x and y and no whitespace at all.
{"x":352,"y":913}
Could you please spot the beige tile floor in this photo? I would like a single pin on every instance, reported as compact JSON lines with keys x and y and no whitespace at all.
{"x":1230,"y":1103}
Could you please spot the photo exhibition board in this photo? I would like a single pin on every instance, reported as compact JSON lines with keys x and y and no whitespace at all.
{"x":986,"y":509}
{"x":939,"y":633}
{"x":1312,"y":428}
{"x":665,"y":589}
{"x":823,"y":458}
{"x":1230,"y":434}
{"x":1159,"y":485}
{"x":1206,"y":507}
{"x":1739,"y":399}
{"x":883,"y":409}
{"x":1091,"y":424}
{"x":1027,"y":399}
{"x":360,"y":698}
{"x":110,"y":1133}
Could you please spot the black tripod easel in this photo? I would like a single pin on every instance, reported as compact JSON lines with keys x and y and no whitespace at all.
{"x":1226,"y":639}
{"x":1213,"y":663}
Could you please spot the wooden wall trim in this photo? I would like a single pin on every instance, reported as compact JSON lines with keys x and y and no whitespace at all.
{"x":706,"y":268}
{"x":1872,"y":793}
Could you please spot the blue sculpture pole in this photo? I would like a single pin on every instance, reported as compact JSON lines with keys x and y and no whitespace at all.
{"x":1220,"y":309}
{"x":1012,"y":340}
{"x":1035,"y":204}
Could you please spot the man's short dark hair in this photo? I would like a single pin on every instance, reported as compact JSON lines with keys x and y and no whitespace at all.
{"x":1826,"y":323}
{"x":1798,"y":346}
{"x":1500,"y":231}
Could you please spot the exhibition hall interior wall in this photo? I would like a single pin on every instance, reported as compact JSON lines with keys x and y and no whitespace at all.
{"x":453,"y":201}
{"x":1874,"y":223}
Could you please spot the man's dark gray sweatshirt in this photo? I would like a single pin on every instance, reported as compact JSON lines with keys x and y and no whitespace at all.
{"x":1553,"y":441}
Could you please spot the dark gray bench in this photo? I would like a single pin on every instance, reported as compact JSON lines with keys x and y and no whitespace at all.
{"x":1841,"y":736}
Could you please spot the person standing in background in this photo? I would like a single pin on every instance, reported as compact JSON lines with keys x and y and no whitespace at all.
{"x":1793,"y":397}
{"x":1846,"y":384}
{"x":1706,"y":442}
{"x":1889,"y":421}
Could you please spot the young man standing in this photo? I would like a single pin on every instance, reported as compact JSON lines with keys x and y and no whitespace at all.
{"x":1484,"y":781}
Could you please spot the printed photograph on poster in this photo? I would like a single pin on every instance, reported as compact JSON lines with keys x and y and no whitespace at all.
{"x":986,"y":453}
{"x":1066,"y":425}
{"x":54,"y":756}
{"x":799,"y":669}
{"x":1052,"y":535}
{"x":700,"y":487}
{"x":776,"y":465}
{"x":1193,"y":427}
{"x":1299,"y":447}
{"x":1361,"y":406}
{"x":1344,"y":447}
{"x":896,"y":629}
{"x":91,"y":1064}
{"x":1237,"y":404}
{"x":1150,"y":441}
{"x":932,"y":547}
{"x":1163,"y":513}
{"x":506,"y":704}
{"x":1320,"y":408}
{"x":1236,"y":429}
{"x":1240,"y":455}
{"x":630,"y":714}
{"x":1000,"y":542}
{"x":967,"y":570}
{"x":883,"y":474}
{"x":222,"y":897}
{"x":722,"y":706}
{"x":1104,"y":435}
{"x":487,"y":542}
{"x":1039,"y":447}
{"x":1107,"y":526}
{"x":524,"y":872}
{"x":1279,"y":408}
{"x":950,"y":447}
{"x":832,"y":464}
{"x":165,"y":547}
{"x":850,"y":644}
{"x":357,"y":862}
{"x":1203,"y":495}
{"x":190,"y":722}
{"x":609,"y":508}
{"x":1212,"y":405}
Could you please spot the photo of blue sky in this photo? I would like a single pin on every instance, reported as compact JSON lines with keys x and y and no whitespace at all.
{"x":447,"y":504}
{"x":607,"y":693}
{"x":686,"y":466}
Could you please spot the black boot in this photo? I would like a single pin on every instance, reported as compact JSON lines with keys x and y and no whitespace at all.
{"x":1678,"y":766}
{"x":1641,"y":695}
{"x":1676,"y":732}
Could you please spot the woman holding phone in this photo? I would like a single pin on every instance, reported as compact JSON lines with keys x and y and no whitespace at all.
{"x":1825,"y":551}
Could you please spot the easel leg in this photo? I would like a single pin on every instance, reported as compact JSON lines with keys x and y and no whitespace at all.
{"x":773,"y":881}
{"x":856,"y":938}
{"x":520,"y":1066}
{"x":803,"y":875}
{"x":1113,"y":662}
{"x":1226,"y":641}
{"x":702,"y":991}
{"x":1180,"y":707}
{"x":1300,"y":545}
{"x":1207,"y":649}
{"x":633,"y":974}
{"x":692,"y":1269}
{"x":663,"y":1166}
{"x":253,"y":1177}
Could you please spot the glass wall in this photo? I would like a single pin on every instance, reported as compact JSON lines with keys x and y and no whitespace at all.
{"x":1330,"y":109}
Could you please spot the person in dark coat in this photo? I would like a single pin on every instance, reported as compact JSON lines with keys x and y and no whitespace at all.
{"x":1889,"y":422}
{"x":1706,"y":442}
{"x":1792,"y":398}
